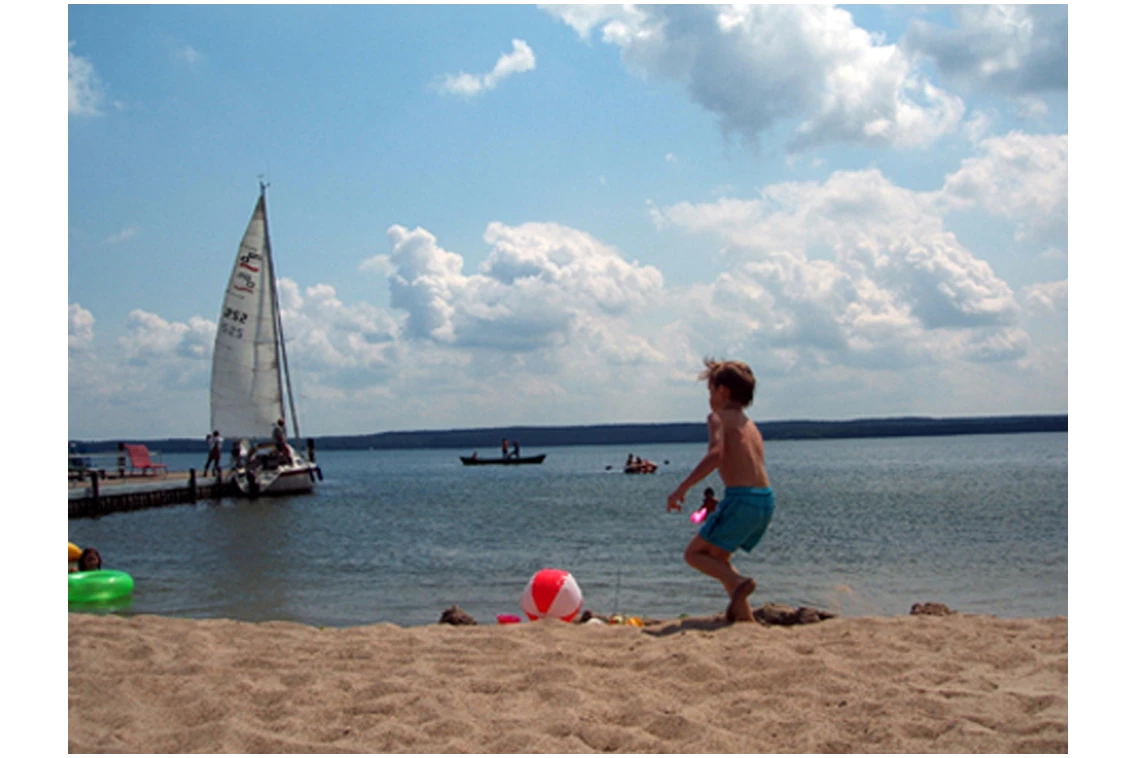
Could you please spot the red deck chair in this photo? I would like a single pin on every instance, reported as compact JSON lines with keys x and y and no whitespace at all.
{"x":140,"y":459}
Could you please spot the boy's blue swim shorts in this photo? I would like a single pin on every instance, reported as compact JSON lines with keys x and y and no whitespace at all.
{"x":740,"y":519}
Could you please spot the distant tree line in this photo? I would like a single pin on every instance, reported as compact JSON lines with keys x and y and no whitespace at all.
{"x":641,"y":434}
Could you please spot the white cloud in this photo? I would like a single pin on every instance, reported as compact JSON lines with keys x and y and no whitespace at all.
{"x":80,"y":327}
{"x":1031,"y":108}
{"x":542,"y":285}
{"x":583,"y":18}
{"x":1046,"y":297}
{"x":1011,"y":49}
{"x":757,"y":66}
{"x":122,"y":235}
{"x":520,"y":60}
{"x":333,"y":340}
{"x":188,"y":55}
{"x":1020,"y":177}
{"x":151,"y":337}
{"x":85,"y":92}
{"x":853,"y":271}
{"x":424,"y":283}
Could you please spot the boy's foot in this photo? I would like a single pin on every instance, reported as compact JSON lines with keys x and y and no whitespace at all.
{"x":739,"y":608}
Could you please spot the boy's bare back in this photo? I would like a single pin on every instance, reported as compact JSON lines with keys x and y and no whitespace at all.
{"x":743,"y":462}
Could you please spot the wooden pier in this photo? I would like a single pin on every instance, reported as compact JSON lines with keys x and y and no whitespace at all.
{"x":99,"y":495}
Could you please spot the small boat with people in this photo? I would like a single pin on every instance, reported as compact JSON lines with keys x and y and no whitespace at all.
{"x":637,"y":465}
{"x":474,"y":460}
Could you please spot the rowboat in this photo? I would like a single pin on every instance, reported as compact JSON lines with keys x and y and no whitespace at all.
{"x":473,"y":460}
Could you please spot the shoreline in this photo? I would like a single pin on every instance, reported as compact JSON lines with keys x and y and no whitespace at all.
{"x":675,"y":432}
{"x":950,"y":683}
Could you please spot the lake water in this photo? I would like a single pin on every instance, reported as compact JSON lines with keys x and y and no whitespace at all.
{"x":862,"y":527}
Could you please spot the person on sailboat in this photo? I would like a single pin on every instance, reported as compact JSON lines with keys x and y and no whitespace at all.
{"x":280,"y":437}
{"x":239,"y":454}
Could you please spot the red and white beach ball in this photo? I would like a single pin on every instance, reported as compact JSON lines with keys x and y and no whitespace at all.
{"x":551,"y":593}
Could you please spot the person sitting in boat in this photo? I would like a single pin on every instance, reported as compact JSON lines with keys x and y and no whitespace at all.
{"x":280,"y":438}
{"x":504,"y":448}
{"x":516,"y":449}
{"x":709,"y":501}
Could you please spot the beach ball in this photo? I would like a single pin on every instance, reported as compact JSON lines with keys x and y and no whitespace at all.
{"x":551,"y":593}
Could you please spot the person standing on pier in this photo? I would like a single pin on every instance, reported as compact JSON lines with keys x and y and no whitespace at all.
{"x":214,"y":441}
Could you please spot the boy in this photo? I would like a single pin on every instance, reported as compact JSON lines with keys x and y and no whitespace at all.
{"x":735,"y":448}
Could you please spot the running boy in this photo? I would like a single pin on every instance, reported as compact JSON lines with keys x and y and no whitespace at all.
{"x":735,"y":448}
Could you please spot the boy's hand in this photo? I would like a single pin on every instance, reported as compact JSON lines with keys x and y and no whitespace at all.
{"x":675,"y":500}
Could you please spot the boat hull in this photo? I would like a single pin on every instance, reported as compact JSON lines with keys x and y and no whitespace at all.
{"x":532,"y":459}
{"x":278,"y":478}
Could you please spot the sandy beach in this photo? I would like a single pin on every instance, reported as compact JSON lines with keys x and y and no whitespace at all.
{"x":957,"y":683}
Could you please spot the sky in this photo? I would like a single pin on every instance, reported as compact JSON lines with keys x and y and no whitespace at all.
{"x":550,"y":215}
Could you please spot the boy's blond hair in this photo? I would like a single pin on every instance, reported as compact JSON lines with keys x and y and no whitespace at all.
{"x":734,"y":375}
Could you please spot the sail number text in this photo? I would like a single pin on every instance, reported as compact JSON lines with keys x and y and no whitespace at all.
{"x":231,"y":321}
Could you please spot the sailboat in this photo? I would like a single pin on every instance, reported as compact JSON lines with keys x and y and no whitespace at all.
{"x":250,"y":374}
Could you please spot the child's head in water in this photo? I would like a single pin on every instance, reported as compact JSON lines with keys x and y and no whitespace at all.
{"x":90,"y":560}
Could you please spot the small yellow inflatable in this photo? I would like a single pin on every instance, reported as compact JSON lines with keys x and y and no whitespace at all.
{"x":73,"y":552}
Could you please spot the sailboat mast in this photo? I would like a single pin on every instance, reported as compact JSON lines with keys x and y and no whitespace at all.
{"x":282,"y":354}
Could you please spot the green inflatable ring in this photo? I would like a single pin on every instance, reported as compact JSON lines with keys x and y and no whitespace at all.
{"x":99,"y":585}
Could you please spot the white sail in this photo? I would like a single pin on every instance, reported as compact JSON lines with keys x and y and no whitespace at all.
{"x":246,"y":398}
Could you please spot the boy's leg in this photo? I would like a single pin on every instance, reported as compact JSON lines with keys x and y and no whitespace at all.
{"x":713,"y":561}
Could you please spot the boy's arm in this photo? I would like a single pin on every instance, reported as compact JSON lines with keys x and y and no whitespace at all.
{"x":708,"y":464}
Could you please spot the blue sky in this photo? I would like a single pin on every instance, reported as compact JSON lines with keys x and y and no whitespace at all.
{"x":489,"y":215}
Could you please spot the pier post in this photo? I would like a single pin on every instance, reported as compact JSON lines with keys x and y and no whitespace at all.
{"x":193,"y":486}
{"x":95,"y":485}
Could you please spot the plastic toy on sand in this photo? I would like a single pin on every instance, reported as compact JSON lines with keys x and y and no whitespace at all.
{"x":551,"y":593}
